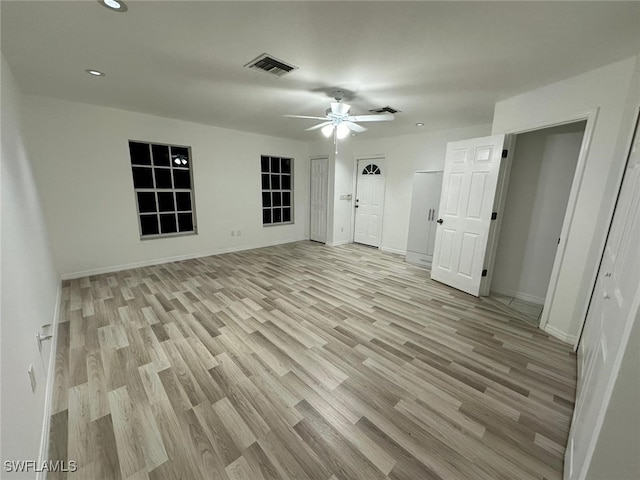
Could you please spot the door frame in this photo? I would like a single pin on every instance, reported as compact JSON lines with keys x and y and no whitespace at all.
{"x":382,"y":163}
{"x":326,"y":229}
{"x":590,"y":117}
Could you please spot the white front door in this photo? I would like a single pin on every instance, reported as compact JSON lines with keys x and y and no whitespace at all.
{"x":318,"y":194}
{"x":609,"y":320}
{"x":369,"y":202}
{"x":466,"y":203}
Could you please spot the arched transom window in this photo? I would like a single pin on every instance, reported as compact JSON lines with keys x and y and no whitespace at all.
{"x":371,"y":169}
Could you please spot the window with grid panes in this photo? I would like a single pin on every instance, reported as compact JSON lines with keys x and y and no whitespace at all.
{"x":164,"y":189}
{"x":277,"y":190}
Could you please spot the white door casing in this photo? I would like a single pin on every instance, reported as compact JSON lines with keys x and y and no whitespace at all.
{"x":369,"y":203}
{"x":609,"y":320}
{"x":466,"y":203}
{"x":318,"y":196}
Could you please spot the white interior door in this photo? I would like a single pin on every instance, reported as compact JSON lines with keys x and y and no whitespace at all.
{"x":466,"y":203}
{"x":369,"y":203}
{"x":425,"y":198}
{"x":318,"y":194}
{"x":609,"y":320}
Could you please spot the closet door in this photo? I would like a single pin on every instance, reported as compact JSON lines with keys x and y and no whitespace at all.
{"x":424,"y":208}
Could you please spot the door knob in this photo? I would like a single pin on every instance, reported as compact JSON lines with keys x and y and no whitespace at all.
{"x":440,"y":221}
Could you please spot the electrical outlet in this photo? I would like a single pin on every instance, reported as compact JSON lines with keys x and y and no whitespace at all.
{"x":32,"y":378}
{"x":238,"y":233}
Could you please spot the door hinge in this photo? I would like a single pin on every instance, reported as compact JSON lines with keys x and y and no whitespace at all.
{"x":484,"y":272}
{"x":505,"y":153}
{"x":494,"y":215}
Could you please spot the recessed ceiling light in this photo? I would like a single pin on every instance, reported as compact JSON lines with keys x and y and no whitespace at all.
{"x":115,"y":5}
{"x":95,"y":73}
{"x":419,"y":124}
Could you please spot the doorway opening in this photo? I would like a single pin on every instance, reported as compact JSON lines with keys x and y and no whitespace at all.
{"x":369,"y":202}
{"x":542,"y":171}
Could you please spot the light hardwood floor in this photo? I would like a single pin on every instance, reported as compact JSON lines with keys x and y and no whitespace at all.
{"x":299,"y":362}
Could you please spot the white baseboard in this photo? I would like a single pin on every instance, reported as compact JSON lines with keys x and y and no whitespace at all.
{"x":393,"y":250}
{"x":43,"y":454}
{"x":525,"y":297}
{"x":177,"y":258}
{"x":560,"y":335}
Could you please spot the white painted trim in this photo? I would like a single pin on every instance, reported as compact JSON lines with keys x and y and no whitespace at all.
{"x":525,"y":297}
{"x":43,"y":454}
{"x":560,"y":335}
{"x":159,"y":261}
{"x":576,"y":185}
{"x":393,"y":250}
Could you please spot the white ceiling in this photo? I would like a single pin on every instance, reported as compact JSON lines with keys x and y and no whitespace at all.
{"x":441,"y":63}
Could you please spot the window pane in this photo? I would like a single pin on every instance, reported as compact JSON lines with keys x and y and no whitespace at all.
{"x":165,"y":202}
{"x":185,"y":222}
{"x":181,"y":179}
{"x":180,"y":156}
{"x":277,"y":199}
{"x":147,"y":202}
{"x":275,"y":165}
{"x":160,"y":155}
{"x":266,"y":216}
{"x":265,"y":182}
{"x":163,"y":177}
{"x":142,"y":177}
{"x":264,"y":164}
{"x":286,"y":182}
{"x":286,"y":214}
{"x":286,"y":199}
{"x":275,"y":182}
{"x":286,"y":165}
{"x":277,"y":215}
{"x":139,"y":153}
{"x":149,"y":224}
{"x":183,"y":201}
{"x":266,"y":199}
{"x":168,"y":223}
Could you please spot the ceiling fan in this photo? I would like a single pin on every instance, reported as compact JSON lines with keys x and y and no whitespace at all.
{"x":339,"y":123}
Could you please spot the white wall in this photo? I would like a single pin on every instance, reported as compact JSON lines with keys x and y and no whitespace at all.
{"x":403,"y":155}
{"x":82,"y":167}
{"x":606,"y":90}
{"x":29,"y":288}
{"x":544,"y":164}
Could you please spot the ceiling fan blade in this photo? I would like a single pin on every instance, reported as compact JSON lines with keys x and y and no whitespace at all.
{"x":304,"y":116}
{"x":339,"y":108}
{"x":320,"y":125}
{"x":383,"y":117}
{"x":354,"y":127}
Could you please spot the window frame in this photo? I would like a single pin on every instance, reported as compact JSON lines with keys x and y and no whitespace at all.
{"x":155,"y":190}
{"x":290,"y":190}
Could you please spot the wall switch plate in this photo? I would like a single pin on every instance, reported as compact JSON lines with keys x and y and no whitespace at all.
{"x":233,"y":233}
{"x":32,"y":378}
{"x":238,"y":233}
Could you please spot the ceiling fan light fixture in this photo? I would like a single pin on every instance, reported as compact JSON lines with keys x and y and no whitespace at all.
{"x":114,"y":5}
{"x":327,"y":130}
{"x":342,"y":131}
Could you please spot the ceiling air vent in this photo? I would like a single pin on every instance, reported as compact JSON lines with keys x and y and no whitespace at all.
{"x":386,"y":109}
{"x":271,"y":65}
